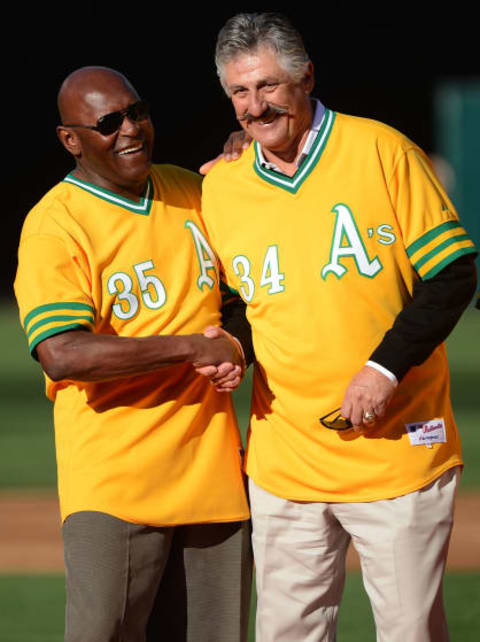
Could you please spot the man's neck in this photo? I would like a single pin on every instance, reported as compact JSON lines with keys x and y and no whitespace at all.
{"x":286,"y":160}
{"x":133,"y":192}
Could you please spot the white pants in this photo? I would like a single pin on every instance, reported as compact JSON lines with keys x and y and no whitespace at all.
{"x":300,"y":549}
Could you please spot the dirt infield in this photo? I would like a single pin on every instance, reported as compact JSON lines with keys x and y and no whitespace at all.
{"x":30,"y":539}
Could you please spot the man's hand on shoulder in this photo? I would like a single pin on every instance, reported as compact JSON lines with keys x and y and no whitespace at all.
{"x":236,"y":144}
{"x":369,"y":393}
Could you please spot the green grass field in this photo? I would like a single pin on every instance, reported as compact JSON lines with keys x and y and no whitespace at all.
{"x":31,"y":608}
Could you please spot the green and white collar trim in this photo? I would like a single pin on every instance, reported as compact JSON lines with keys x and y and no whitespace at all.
{"x":143,"y":207}
{"x":293,"y":184}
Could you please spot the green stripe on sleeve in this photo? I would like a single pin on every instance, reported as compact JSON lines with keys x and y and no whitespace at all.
{"x":50,"y":333}
{"x":69,"y":305}
{"x":428,"y":236}
{"x":436,"y":250}
{"x":57,"y":317}
{"x":447,"y":260}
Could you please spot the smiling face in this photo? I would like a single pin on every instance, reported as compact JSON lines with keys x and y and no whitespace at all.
{"x":120,"y":161}
{"x":269,"y":104}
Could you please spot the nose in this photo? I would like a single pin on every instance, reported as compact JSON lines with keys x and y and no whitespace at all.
{"x":256,"y":104}
{"x":129,"y":127}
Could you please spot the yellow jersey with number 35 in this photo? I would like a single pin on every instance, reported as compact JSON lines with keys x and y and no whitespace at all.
{"x":326,"y":260}
{"x":160,"y":448}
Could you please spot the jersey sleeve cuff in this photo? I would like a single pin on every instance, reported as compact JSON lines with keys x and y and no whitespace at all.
{"x":438,"y":247}
{"x":54,"y":318}
{"x":384,"y":371}
{"x":50,"y":333}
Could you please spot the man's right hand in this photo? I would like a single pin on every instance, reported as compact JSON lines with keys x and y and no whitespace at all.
{"x":215,"y":350}
{"x":236,"y":144}
{"x":86,"y":356}
{"x":226,"y":376}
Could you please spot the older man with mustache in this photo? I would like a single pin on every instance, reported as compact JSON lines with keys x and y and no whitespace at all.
{"x":354,"y":267}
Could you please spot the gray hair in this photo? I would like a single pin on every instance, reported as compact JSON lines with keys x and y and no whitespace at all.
{"x":247,"y":32}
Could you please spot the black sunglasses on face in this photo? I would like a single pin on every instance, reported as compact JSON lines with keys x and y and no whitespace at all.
{"x":110,"y":123}
{"x":335,"y":421}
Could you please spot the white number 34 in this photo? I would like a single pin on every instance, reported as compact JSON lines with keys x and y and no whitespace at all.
{"x":271,"y":276}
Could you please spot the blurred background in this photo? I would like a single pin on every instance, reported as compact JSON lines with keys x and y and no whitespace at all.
{"x":418,"y":80}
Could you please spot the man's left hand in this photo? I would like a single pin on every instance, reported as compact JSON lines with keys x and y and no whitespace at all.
{"x":234,"y":147}
{"x":369,"y":393}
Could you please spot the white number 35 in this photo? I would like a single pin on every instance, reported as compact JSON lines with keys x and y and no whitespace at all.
{"x":152,"y":291}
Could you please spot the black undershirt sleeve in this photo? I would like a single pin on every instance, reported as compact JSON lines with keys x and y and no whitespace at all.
{"x":428,"y":319}
{"x":234,"y":321}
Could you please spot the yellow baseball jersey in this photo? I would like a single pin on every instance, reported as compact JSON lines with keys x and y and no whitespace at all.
{"x":160,"y":448}
{"x":326,"y":260}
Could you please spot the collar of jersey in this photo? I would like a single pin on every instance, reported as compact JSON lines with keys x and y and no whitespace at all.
{"x":143,"y":207}
{"x":293,"y":184}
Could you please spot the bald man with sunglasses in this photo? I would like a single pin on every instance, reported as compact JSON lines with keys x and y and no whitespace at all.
{"x":116,"y":285}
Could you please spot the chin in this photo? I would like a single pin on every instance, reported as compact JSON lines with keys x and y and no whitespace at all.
{"x":138,"y":175}
{"x":274,"y":144}
{"x":269,"y":138}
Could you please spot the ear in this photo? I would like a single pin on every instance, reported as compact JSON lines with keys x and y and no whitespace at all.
{"x":308,"y":81}
{"x":69,"y":140}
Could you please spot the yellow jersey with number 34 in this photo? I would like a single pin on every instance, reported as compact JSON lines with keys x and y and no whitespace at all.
{"x":326,"y":260}
{"x":160,"y":448}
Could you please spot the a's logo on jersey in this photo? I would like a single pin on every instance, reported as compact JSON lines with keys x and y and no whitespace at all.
{"x":347,"y":243}
{"x":206,"y":257}
{"x":385,"y":234}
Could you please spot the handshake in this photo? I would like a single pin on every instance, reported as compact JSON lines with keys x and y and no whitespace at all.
{"x":219,"y":357}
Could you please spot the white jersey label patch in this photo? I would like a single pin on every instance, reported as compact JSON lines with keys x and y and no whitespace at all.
{"x":426,"y":433}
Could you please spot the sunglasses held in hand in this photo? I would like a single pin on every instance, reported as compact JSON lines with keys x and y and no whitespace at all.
{"x":111,"y":123}
{"x":335,"y":421}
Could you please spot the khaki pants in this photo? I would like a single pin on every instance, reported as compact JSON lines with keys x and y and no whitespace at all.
{"x":132,"y":583}
{"x":300,"y":548}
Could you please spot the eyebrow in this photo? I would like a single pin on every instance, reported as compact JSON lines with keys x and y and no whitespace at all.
{"x":259,"y":83}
